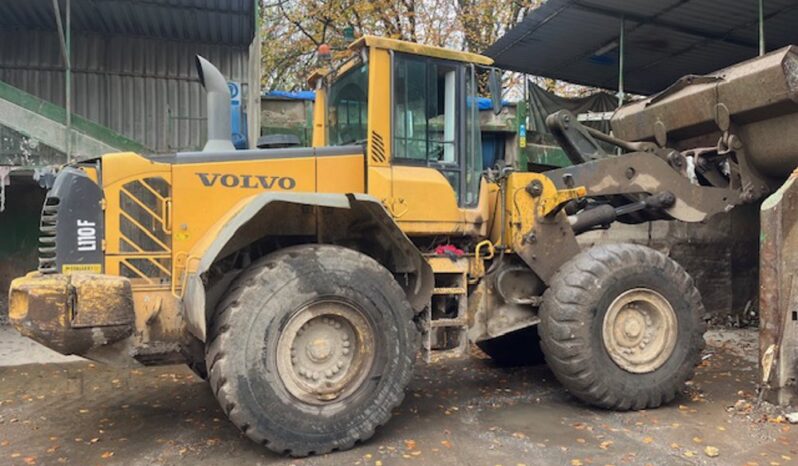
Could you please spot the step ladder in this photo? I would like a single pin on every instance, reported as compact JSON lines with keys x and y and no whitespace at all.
{"x":446,"y":320}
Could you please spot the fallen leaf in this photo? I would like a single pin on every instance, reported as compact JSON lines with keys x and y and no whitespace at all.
{"x":107,"y":454}
{"x":712,"y":452}
{"x":29,"y":460}
{"x":446,"y":443}
{"x":675,"y":446}
{"x":605,"y":444}
{"x":689,"y":453}
{"x":576,"y":462}
{"x":410,"y":444}
{"x":698,"y":440}
{"x":648,"y":440}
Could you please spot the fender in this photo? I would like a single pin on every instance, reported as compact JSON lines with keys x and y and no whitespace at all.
{"x":394,"y":249}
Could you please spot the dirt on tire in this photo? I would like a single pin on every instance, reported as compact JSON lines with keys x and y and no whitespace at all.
{"x":241,"y":359}
{"x":572,"y":317}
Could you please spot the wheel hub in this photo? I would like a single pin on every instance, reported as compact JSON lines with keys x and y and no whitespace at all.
{"x":325,"y":352}
{"x":640,"y":330}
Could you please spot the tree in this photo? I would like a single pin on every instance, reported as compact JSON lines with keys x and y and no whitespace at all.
{"x":484,"y":21}
{"x":292,"y":30}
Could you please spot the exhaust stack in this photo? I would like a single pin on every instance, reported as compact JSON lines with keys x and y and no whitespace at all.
{"x":218,"y":95}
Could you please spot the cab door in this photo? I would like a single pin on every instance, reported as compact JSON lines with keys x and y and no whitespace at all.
{"x":436,"y":156}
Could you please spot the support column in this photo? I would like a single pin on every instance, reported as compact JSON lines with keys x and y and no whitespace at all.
{"x":68,"y":80}
{"x":253,"y":95}
{"x":65,"y":37}
{"x":761,"y":27}
{"x":621,"y":43}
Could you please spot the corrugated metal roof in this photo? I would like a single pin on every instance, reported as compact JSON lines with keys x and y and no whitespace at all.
{"x":665,"y":39}
{"x":228,"y":22}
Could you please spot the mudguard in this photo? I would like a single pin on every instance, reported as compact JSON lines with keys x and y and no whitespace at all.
{"x":360,"y":211}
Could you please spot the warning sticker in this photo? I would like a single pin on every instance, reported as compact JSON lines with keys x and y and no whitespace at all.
{"x":72,"y":268}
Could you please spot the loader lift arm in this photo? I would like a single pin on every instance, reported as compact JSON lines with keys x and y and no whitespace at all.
{"x":646,"y":183}
{"x":646,"y":169}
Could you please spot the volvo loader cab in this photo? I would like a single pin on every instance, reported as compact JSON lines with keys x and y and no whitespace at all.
{"x":302,"y":282}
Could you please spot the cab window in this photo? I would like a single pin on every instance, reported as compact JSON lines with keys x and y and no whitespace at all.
{"x":347,"y":114}
{"x":434,"y":124}
{"x":473,"y":140}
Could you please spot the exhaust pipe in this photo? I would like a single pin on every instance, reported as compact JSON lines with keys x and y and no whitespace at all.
{"x":218,"y":95}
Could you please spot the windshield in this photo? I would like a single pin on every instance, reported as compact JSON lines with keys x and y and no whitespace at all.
{"x":347,"y":114}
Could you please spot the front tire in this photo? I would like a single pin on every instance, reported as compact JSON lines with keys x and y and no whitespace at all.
{"x":312,"y":349}
{"x":622,"y":327}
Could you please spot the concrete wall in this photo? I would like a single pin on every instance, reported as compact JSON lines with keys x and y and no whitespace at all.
{"x":721,"y":254}
{"x":287,"y":116}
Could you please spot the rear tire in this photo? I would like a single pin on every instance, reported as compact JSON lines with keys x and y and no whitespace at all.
{"x":622,"y":327}
{"x":312,"y":349}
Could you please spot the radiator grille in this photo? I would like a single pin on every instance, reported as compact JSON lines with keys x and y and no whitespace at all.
{"x":145,"y":242}
{"x":47,"y":238}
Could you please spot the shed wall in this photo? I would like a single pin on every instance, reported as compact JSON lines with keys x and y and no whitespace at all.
{"x":143,"y":88}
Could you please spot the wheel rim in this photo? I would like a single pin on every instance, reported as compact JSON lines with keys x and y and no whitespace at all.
{"x":640,"y":330}
{"x":325,"y":352}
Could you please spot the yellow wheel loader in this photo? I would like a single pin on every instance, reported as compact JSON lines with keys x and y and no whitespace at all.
{"x":303,"y":282}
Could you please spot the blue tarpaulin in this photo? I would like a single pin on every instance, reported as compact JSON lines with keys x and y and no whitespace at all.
{"x":485,"y":103}
{"x":299,"y":95}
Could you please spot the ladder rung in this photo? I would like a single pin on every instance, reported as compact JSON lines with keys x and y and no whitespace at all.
{"x":448,"y":291}
{"x":457,"y":322}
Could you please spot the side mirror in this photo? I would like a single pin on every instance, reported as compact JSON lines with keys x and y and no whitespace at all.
{"x":495,"y":87}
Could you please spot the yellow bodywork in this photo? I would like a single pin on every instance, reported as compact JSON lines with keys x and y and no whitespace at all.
{"x":188,"y":203}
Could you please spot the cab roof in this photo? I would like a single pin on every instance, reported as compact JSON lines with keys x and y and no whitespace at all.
{"x":406,"y":47}
{"x":419,"y":49}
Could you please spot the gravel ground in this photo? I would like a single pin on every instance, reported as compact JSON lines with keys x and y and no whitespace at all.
{"x":71,"y":411}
